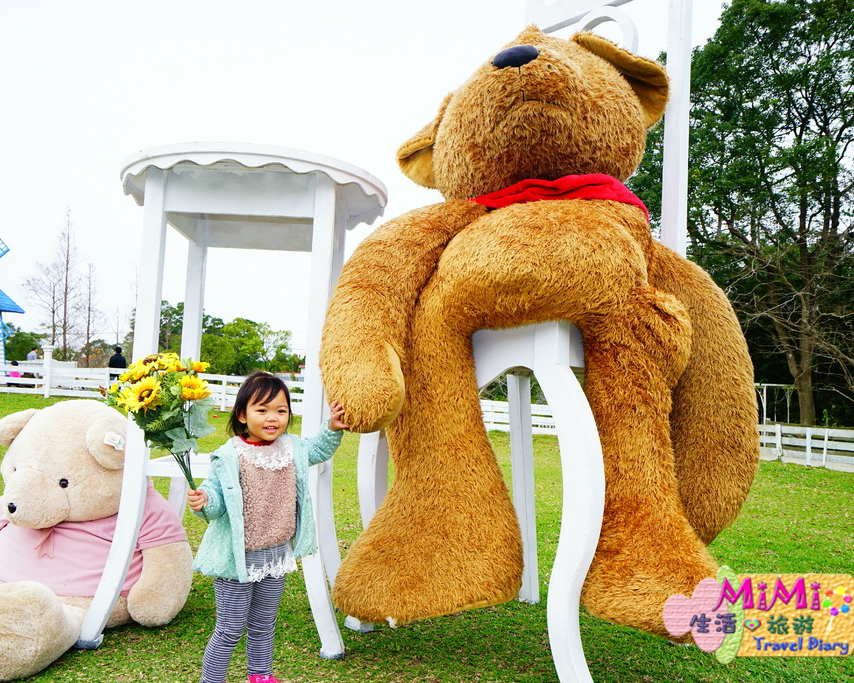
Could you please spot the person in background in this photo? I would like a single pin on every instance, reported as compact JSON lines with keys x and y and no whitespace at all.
{"x":117,"y":360}
{"x":14,"y":374}
{"x":32,"y":356}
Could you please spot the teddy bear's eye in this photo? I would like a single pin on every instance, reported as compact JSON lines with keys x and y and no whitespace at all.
{"x":63,"y":483}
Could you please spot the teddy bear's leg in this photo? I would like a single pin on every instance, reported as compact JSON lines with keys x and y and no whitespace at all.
{"x":118,"y":616}
{"x":647,"y":549}
{"x":714,"y":416}
{"x":35,"y":628}
{"x":446,"y":537}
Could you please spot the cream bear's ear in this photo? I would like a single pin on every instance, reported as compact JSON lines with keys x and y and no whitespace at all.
{"x":415,"y":156}
{"x":101,"y":441}
{"x":11,"y":425}
{"x":647,"y":78}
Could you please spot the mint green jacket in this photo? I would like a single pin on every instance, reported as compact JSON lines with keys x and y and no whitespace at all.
{"x":222,"y":550}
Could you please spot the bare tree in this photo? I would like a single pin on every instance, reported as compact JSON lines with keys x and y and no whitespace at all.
{"x":44,"y":288}
{"x":57,"y":291}
{"x":89,"y":316}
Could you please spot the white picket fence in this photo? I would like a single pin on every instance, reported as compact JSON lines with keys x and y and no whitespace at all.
{"x":65,"y":379}
{"x":496,"y":416}
{"x":813,"y":446}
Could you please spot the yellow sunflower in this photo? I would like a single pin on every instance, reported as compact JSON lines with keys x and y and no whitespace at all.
{"x":198,"y":366}
{"x":194,"y":388}
{"x":136,"y":371}
{"x":142,"y":395}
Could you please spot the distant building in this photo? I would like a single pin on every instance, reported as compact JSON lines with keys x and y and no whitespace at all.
{"x":6,"y":306}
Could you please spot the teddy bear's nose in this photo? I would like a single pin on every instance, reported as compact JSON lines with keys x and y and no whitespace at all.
{"x":11,"y":507}
{"x":518,"y":55}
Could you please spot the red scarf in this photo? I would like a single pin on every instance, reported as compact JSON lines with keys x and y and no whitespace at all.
{"x":590,"y":186}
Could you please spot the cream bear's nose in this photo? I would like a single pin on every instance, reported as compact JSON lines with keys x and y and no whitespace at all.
{"x":11,"y":507}
{"x":518,"y":55}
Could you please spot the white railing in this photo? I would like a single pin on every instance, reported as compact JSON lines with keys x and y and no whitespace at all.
{"x":496,"y":416}
{"x":224,"y":389}
{"x":65,"y":379}
{"x":815,"y":446}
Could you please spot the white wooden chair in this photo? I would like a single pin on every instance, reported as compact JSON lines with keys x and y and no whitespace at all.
{"x":237,"y":196}
{"x":550,"y":351}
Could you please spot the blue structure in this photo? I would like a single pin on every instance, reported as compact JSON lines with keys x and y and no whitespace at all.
{"x":6,"y":306}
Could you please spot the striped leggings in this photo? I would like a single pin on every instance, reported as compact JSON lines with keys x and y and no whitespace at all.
{"x":250,"y":607}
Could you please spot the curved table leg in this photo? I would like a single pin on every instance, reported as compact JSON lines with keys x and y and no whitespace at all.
{"x":581,"y":518}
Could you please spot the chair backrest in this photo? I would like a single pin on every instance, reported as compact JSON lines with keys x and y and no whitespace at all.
{"x":553,"y":15}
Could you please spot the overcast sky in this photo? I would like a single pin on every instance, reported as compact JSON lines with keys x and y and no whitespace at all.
{"x":85,"y":85}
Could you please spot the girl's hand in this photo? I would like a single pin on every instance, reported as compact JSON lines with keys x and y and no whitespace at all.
{"x":335,"y":420}
{"x":197,"y":499}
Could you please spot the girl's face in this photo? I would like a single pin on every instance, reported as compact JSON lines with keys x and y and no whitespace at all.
{"x":266,"y":421}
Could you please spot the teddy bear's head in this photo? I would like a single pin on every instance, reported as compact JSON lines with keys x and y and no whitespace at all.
{"x":543,"y":107}
{"x":62,"y":463}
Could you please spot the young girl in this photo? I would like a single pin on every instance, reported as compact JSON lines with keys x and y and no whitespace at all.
{"x":256,"y":500}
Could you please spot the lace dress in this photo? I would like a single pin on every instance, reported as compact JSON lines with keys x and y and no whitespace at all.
{"x":268,"y":483}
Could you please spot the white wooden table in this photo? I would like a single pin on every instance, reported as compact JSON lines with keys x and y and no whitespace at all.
{"x":251,"y":197}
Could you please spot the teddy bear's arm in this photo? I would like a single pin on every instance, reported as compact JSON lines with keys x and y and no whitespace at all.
{"x":164,"y":585}
{"x":365,"y":333}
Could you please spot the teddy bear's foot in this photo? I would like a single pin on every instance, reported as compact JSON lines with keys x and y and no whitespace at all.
{"x":35,"y":628}
{"x":458,"y":552}
{"x":633,"y":575}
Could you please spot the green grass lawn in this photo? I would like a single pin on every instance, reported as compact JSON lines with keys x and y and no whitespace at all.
{"x":796,"y":520}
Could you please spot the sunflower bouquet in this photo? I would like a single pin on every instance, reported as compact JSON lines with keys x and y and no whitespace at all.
{"x":169,"y":402}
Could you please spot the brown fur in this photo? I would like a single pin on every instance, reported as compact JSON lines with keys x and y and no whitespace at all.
{"x":668,"y":377}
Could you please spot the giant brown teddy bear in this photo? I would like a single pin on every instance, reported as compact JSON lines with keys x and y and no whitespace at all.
{"x":668,"y":376}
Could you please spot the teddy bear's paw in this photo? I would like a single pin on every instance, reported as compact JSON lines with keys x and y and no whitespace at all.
{"x":35,"y":628}
{"x":162,"y":590}
{"x":400,"y":597}
{"x":368,"y":382}
{"x":630,"y":581}
{"x":420,"y":559}
{"x":664,"y":327}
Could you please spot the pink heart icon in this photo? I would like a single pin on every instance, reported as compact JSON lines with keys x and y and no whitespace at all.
{"x":696,"y":614}
{"x":752,"y":624}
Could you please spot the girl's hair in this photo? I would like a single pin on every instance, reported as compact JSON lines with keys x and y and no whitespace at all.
{"x":260,"y":387}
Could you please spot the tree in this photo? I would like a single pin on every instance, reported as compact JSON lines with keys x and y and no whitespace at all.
{"x":770,"y":202}
{"x":20,"y":343}
{"x":247,"y":344}
{"x":219,"y":352}
{"x":44,"y":288}
{"x":89,"y":318}
{"x":96,"y":353}
{"x":56,"y":289}
{"x":171,"y":324}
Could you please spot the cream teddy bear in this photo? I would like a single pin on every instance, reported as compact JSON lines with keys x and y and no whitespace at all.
{"x":63,"y":480}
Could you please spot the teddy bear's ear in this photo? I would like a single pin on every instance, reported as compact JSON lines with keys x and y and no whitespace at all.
{"x":415,"y":156}
{"x":11,"y":425}
{"x":105,"y":441}
{"x":647,"y":78}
